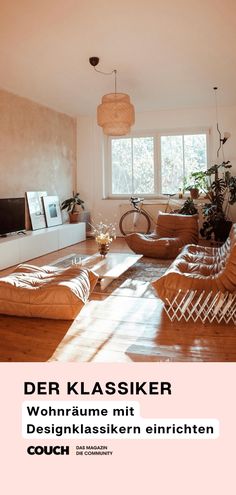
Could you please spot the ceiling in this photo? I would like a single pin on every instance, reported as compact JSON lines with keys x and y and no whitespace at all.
{"x":168,"y":54}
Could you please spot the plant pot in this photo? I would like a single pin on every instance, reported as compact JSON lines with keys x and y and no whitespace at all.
{"x":194,"y":193}
{"x":74,"y":217}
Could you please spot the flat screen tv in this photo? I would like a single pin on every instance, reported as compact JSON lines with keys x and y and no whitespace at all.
{"x":12,"y":215}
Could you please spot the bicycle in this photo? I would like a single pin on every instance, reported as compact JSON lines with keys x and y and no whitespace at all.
{"x":138,"y":219}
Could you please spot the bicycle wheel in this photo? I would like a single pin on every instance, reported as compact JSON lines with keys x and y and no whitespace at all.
{"x":134,"y":221}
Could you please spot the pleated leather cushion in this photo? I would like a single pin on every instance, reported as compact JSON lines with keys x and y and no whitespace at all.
{"x":199,"y":268}
{"x":185,"y":227}
{"x":172,"y":232}
{"x":152,"y":247}
{"x":46,"y":292}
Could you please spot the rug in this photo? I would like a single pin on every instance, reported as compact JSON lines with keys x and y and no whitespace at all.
{"x":135,"y":282}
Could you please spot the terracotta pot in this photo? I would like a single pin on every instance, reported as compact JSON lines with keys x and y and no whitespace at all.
{"x":74,"y":217}
{"x":194,"y":193}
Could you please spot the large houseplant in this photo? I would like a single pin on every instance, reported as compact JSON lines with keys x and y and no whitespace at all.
{"x":221,"y":193}
{"x":71,"y":205}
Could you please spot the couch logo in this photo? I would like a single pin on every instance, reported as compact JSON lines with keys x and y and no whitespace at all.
{"x":48,"y":450}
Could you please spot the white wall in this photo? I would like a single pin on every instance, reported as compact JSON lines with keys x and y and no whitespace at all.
{"x":90,"y":142}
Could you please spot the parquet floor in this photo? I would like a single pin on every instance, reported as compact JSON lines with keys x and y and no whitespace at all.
{"x":113,"y":329}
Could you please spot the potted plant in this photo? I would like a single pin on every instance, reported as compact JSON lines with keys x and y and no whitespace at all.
{"x":71,"y":205}
{"x":197,"y":184}
{"x":188,"y":208}
{"x":221,"y":193}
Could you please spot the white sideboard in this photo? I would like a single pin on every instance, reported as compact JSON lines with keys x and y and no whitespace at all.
{"x":15,"y":249}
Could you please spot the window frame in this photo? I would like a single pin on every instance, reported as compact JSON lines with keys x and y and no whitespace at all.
{"x":156,"y":135}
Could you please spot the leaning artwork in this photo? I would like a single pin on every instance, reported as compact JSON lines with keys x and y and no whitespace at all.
{"x":36,"y":209}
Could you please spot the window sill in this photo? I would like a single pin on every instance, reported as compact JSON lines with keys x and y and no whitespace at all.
{"x":153,"y":199}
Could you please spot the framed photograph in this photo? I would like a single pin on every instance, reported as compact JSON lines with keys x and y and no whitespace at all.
{"x":52,"y":210}
{"x":36,"y":209}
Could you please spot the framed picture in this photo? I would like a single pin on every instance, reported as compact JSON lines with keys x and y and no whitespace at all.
{"x":52,"y":210}
{"x":36,"y":209}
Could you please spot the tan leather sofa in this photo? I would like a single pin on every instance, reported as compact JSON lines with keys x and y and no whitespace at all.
{"x":201,"y":268}
{"x":172,"y":232}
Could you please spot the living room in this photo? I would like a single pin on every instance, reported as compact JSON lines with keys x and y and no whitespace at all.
{"x":50,"y":141}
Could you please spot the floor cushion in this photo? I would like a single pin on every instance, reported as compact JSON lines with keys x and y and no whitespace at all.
{"x":46,"y":292}
{"x":172,"y":232}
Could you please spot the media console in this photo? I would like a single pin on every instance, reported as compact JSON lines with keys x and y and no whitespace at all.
{"x":15,"y":249}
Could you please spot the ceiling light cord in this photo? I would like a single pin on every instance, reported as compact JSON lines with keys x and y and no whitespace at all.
{"x":114,"y":71}
{"x":94,"y":61}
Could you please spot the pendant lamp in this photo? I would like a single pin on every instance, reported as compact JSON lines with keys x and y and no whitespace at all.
{"x":115,"y":114}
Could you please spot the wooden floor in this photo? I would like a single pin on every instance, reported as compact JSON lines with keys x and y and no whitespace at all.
{"x":113,"y":329}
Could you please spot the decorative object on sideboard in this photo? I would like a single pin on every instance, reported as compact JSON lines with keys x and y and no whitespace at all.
{"x":72,"y":206}
{"x":52,"y":210}
{"x":36,"y":209}
{"x":115,"y":114}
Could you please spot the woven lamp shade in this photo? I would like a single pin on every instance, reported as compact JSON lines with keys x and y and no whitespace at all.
{"x":115,"y":114}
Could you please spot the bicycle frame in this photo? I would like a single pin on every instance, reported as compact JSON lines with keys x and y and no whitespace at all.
{"x":136,"y":216}
{"x":137,"y":204}
{"x":139,"y":219}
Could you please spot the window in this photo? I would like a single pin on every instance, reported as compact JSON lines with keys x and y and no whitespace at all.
{"x":180,"y":156}
{"x":154,"y":164}
{"x":133,"y":165}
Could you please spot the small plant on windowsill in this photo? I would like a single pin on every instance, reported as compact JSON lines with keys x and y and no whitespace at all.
{"x":196,"y":184}
{"x":73,"y":205}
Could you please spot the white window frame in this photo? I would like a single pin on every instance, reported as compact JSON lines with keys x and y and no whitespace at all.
{"x":156,"y":135}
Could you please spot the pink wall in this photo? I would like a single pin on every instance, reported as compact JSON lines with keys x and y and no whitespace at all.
{"x":37,"y":148}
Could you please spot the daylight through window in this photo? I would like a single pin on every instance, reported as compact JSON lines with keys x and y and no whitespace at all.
{"x":155,"y":164}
